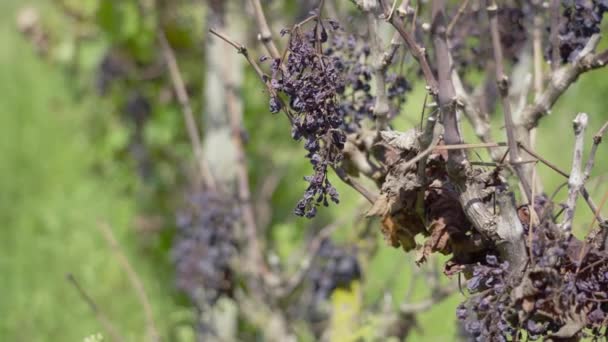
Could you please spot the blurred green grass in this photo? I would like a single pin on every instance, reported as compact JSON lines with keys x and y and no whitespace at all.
{"x":50,"y":202}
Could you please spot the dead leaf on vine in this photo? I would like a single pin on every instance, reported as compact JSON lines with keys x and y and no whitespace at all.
{"x":380,"y":208}
{"x":575,"y":323}
{"x":400,"y":230}
{"x":438,"y":241}
{"x":405,"y":141}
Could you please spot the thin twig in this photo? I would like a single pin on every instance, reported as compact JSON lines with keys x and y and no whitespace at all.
{"x":134,"y":279}
{"x":543,"y":160}
{"x":389,"y":54}
{"x":369,"y":195}
{"x":101,"y":317}
{"x":552,"y":166}
{"x":418,"y":52}
{"x":537,"y":46}
{"x":554,"y":35}
{"x":602,"y":203}
{"x":576,"y":180}
{"x":478,"y":118}
{"x":469,"y":146}
{"x":255,"y":256}
{"x":560,"y":81}
{"x":265,"y":35}
{"x":447,"y":94}
{"x":597,"y":140}
{"x":495,"y":164}
{"x":381,"y":107}
{"x":183,"y":98}
{"x":461,"y":10}
{"x":503,"y":87}
{"x":241,"y":49}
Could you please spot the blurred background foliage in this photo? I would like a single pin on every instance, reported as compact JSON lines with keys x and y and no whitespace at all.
{"x":71,"y":156}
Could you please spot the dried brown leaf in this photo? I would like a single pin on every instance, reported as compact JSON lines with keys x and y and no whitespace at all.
{"x":405,"y":141}
{"x":381,"y":207}
{"x":438,"y":241}
{"x":401,"y":229}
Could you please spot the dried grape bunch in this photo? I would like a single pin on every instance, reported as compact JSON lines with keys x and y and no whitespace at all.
{"x":580,"y":20}
{"x":356,"y":97}
{"x":336,"y":268}
{"x":329,"y":93}
{"x":205,"y":246}
{"x":485,"y":316}
{"x":312,"y":80}
{"x":111,"y":68}
{"x":558,"y":296}
{"x":471,"y":46}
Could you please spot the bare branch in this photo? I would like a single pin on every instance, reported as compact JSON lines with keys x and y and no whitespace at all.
{"x":389,"y":54}
{"x":554,"y":37}
{"x":447,"y":95}
{"x":99,"y":315}
{"x":241,"y":49}
{"x":576,"y":180}
{"x":369,"y":195}
{"x":461,"y":9}
{"x":537,"y":46}
{"x":134,"y":279}
{"x":255,"y":256}
{"x":265,"y":35}
{"x":478,"y":118}
{"x":381,"y":108}
{"x":552,"y":166}
{"x":468,"y":146}
{"x":561,"y":79}
{"x":418,"y":52}
{"x":543,"y":160}
{"x":183,"y":98}
{"x":597,"y":140}
{"x":503,"y":87}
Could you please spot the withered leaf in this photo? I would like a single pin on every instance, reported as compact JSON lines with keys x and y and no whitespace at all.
{"x":389,"y":230}
{"x":405,"y":141}
{"x":400,"y":230}
{"x":438,"y":241}
{"x":381,"y":207}
{"x":572,"y":327}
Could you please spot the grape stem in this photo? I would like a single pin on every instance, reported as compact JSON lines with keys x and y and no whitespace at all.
{"x":241,"y":49}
